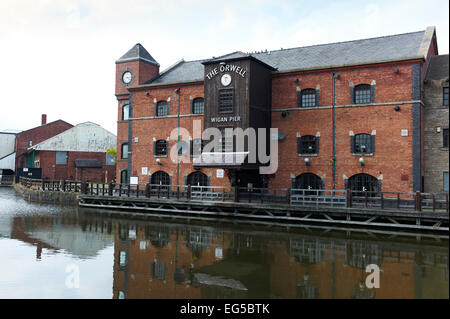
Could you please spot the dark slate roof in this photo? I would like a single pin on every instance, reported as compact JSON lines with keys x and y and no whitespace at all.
{"x":88,"y":163}
{"x":357,"y":52}
{"x":438,"y":67}
{"x":138,"y":52}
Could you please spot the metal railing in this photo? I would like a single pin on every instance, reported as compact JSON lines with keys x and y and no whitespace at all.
{"x":433,"y":202}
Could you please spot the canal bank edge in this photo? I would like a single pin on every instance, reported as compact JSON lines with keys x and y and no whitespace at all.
{"x":49,"y":197}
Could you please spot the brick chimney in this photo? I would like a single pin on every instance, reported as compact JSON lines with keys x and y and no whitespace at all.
{"x":44,"y":119}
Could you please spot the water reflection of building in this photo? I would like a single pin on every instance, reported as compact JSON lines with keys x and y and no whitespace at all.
{"x":156,"y":262}
{"x":187,"y":261}
{"x":336,"y":269}
{"x":62,"y":233}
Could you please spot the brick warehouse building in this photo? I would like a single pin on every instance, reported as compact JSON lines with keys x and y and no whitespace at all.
{"x":33,"y":136}
{"x":373,"y":85}
{"x":76,"y":154}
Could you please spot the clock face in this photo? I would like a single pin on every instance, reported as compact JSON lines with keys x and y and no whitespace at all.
{"x":127,"y":77}
{"x":226,"y":79}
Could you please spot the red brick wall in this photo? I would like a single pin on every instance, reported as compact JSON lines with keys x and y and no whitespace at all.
{"x":47,"y":161}
{"x":37,"y":135}
{"x":393,"y":153}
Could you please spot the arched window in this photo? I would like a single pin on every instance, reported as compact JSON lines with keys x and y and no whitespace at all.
{"x":308,"y":181}
{"x":364,"y":183}
{"x":124,"y":176}
{"x":363,"y":143}
{"x":162,"y":108}
{"x":197,"y":179}
{"x":362,"y":94}
{"x":160,"y":147}
{"x":124,"y":150}
{"x":160,"y":178}
{"x":308,"y":98}
{"x":198,"y":105}
{"x":125,"y":112}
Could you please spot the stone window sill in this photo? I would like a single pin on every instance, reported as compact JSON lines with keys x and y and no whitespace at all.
{"x":362,"y":154}
{"x":308,"y":155}
{"x":159,"y":156}
{"x":444,"y":148}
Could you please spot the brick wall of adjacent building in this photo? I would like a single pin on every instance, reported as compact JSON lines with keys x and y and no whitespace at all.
{"x":53,"y":171}
{"x":436,"y":120}
{"x":37,"y":135}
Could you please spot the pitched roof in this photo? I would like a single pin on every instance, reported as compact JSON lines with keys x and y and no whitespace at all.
{"x":405,"y":46}
{"x":137,"y":52}
{"x":438,"y":67}
{"x":84,"y":137}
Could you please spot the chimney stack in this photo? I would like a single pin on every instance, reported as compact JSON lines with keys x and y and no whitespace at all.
{"x":44,"y":119}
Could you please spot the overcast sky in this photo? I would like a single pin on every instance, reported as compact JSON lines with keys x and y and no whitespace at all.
{"x":58,"y":56}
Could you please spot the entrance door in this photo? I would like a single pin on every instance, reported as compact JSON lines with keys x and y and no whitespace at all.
{"x":252,"y":177}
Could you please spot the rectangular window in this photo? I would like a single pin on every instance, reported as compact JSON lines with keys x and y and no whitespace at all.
{"x":122,"y":259}
{"x":161,"y":147}
{"x":362,"y":143}
{"x":445,"y":137}
{"x":125,"y":150}
{"x":110,"y":159}
{"x":158,"y":270}
{"x":226,"y":100}
{"x":445,"y":96}
{"x":196,"y":146}
{"x":61,"y":158}
{"x":226,"y":139}
{"x":445,"y":181}
{"x":308,"y":144}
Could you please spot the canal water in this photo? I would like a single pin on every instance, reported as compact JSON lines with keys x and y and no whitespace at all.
{"x":52,"y":251}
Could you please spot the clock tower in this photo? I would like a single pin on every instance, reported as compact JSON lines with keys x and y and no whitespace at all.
{"x":134,"y":68}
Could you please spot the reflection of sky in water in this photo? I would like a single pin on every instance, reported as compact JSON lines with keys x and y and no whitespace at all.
{"x":23,"y":276}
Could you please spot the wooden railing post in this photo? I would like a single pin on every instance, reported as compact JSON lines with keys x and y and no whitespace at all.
{"x":189,"y":192}
{"x":236,"y":193}
{"x":147,"y":190}
{"x":63,"y":185}
{"x":382,"y":200}
{"x":348,"y":198}
{"x":418,"y":202}
{"x":288,"y":196}
{"x":434,"y":202}
{"x":83,"y":187}
{"x":110,"y":189}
